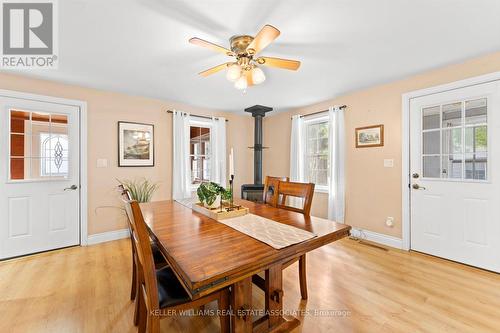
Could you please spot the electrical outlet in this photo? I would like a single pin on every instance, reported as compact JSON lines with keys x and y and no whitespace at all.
{"x":389,"y":222}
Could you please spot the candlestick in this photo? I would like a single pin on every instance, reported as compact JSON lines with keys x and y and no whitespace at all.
{"x":231,"y":186}
{"x":231,"y":162}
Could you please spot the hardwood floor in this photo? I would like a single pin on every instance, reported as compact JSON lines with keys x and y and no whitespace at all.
{"x":373,"y":291}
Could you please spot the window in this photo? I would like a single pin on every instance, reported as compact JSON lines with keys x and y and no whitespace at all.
{"x":316,"y":150}
{"x":38,"y":146}
{"x":199,"y":146}
{"x":54,"y":151}
{"x":455,"y":140}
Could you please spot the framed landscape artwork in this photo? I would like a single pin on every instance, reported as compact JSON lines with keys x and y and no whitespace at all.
{"x":135,"y":144}
{"x":370,"y":136}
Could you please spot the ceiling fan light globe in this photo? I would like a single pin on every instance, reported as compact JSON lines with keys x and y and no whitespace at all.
{"x":241,"y":83}
{"x":233,"y":72}
{"x":258,"y":75}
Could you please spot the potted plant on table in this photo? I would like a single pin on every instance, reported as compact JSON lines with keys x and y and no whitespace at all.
{"x":210,"y":194}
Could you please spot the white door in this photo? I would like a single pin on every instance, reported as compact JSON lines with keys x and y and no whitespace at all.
{"x":455,"y":175}
{"x":39,"y":176}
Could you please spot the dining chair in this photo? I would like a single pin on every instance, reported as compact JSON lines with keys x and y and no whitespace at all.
{"x":288,"y":190}
{"x":304,"y":191}
{"x":158,"y":257}
{"x":271,"y":189}
{"x":160,"y":291}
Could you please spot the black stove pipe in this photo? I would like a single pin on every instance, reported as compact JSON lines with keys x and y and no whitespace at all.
{"x":258,"y":112}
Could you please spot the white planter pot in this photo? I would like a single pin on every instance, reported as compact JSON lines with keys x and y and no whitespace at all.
{"x":215,"y":204}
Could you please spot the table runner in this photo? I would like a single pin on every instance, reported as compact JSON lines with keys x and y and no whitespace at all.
{"x":274,"y":234}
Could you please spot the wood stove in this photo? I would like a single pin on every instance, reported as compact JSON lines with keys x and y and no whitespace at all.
{"x":254,"y":192}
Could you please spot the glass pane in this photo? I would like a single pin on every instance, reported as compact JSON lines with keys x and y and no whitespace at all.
{"x":452,"y":166}
{"x":20,"y":145}
{"x":312,"y":131}
{"x":19,"y":167}
{"x":19,"y":121}
{"x":431,"y":142}
{"x":476,"y":139}
{"x":58,"y":167}
{"x":322,"y":178}
{"x":40,"y":168}
{"x":323,"y":146}
{"x":312,"y":146}
{"x":452,"y":141}
{"x":431,"y":166}
{"x":476,"y":111}
{"x":430,"y":117}
{"x":476,"y":166}
{"x":452,"y":115}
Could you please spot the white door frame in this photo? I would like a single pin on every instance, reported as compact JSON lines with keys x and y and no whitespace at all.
{"x":82,"y":105}
{"x":405,"y":180}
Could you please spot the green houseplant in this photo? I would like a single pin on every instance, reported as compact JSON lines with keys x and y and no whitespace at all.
{"x":209,"y":193}
{"x":140,"y":189}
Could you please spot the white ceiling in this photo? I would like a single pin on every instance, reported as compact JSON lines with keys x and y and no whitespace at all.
{"x":141,"y":47}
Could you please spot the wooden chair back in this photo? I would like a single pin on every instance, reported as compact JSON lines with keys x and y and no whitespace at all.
{"x":297,"y":190}
{"x":271,"y":190}
{"x":146,"y":268}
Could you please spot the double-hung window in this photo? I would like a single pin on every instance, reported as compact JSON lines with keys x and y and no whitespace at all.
{"x":200,"y":152}
{"x":316,"y":163}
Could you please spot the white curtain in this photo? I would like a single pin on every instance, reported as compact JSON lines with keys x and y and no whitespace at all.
{"x":218,"y":146}
{"x":297,"y":144}
{"x":181,"y":173}
{"x":336,"y":181}
{"x":297,"y":150}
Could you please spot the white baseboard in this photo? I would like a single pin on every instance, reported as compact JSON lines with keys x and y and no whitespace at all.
{"x":378,"y":238}
{"x":107,"y":236}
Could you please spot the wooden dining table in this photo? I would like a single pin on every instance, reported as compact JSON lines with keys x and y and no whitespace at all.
{"x":207,"y":255}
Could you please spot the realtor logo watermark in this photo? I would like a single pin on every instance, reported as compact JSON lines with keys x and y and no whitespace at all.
{"x":29,"y":34}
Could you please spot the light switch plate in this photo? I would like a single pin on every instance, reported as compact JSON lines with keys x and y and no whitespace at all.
{"x":388,"y":163}
{"x":102,"y":163}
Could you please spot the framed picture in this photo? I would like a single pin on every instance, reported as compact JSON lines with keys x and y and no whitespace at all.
{"x":370,"y":136}
{"x":135,"y":144}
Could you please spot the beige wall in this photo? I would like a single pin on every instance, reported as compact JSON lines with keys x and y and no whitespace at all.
{"x":104,"y":110}
{"x":372,"y":191}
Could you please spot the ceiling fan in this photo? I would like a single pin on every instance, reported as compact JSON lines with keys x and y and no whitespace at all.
{"x":245,"y":71}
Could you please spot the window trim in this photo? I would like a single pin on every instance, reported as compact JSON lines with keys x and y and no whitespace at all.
{"x":320,"y":118}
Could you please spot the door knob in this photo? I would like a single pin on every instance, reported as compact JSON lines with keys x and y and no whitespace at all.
{"x":415,"y":175}
{"x":417,"y":187}
{"x":72,"y":187}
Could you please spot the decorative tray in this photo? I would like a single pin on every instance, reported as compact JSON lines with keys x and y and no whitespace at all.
{"x":217,"y":214}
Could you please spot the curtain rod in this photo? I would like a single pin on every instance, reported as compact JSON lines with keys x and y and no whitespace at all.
{"x":195,"y":115}
{"x":314,"y":113}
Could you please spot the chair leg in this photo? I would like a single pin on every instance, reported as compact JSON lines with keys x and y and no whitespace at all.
{"x":223,"y":304}
{"x":133,"y":289}
{"x":137,"y":310}
{"x":141,"y":313}
{"x":153,"y":324}
{"x":302,"y":276}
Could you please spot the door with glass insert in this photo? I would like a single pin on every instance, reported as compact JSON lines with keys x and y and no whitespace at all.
{"x":39,"y":176}
{"x":455,"y":186}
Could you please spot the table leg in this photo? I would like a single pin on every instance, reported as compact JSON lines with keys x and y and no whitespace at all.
{"x":274,"y":294}
{"x":241,"y":303}
{"x":273,"y":321}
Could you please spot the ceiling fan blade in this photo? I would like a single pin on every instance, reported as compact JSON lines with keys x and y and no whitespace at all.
{"x":265,"y":37}
{"x":214,"y":69}
{"x":209,"y":45}
{"x":280,"y":63}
